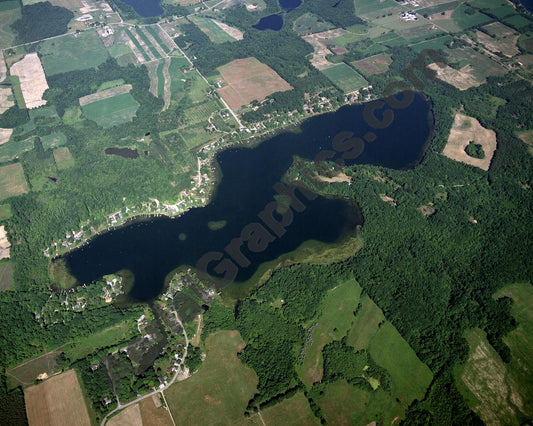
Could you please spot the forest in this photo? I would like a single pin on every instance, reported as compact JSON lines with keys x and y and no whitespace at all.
{"x":41,"y":20}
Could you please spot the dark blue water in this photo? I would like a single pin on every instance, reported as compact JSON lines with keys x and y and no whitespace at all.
{"x":271,"y":22}
{"x":288,"y":5}
{"x":275,"y":22}
{"x":245,"y":199}
{"x":528,"y":4}
{"x":145,"y":8}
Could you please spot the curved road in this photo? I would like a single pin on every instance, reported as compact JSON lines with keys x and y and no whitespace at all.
{"x":140,"y":398}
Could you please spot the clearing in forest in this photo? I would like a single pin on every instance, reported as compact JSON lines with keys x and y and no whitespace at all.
{"x":248,"y":80}
{"x":487,"y":383}
{"x":26,"y":373}
{"x":12,"y":181}
{"x":106,"y":93}
{"x":372,"y":65}
{"x":6,"y":99}
{"x":219,"y":390}
{"x":57,"y":401}
{"x":6,"y":276}
{"x":336,"y":319}
{"x":32,"y":80}
{"x":111,"y":111}
{"x":293,"y":411}
{"x":464,"y":130}
{"x":63,"y":158}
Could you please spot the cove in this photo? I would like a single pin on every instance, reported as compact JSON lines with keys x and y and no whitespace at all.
{"x":251,"y":180}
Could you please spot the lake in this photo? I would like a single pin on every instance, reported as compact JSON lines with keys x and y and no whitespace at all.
{"x":145,"y":8}
{"x":275,"y":22}
{"x":254,"y":223}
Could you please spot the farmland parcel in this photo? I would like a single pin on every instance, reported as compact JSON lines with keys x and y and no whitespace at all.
{"x":248,"y":80}
{"x":57,"y":401}
{"x":32,"y":80}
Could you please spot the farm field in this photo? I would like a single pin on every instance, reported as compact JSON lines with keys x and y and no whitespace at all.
{"x":9,"y":13}
{"x":517,"y":21}
{"x":57,"y":401}
{"x":32,"y":80}
{"x":372,"y":65}
{"x":410,"y":377}
{"x":129,"y":416}
{"x":148,"y":45}
{"x":6,"y":275}
{"x":464,"y":130}
{"x":211,"y":30}
{"x":345,"y":78}
{"x":293,"y":411}
{"x":70,"y":53}
{"x":26,"y":373}
{"x":366,"y":324}
{"x":63,"y":158}
{"x":12,"y":149}
{"x":53,"y":140}
{"x":195,"y":136}
{"x":153,"y":413}
{"x":334,"y":322}
{"x":219,"y":392}
{"x":310,"y":24}
{"x":139,"y":50}
{"x":248,"y":80}
{"x":12,"y":180}
{"x":497,"y":37}
{"x":487,"y":383}
{"x":158,"y":37}
{"x":111,"y":111}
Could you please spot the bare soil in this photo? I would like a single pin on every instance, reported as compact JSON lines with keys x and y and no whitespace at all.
{"x":463,"y":79}
{"x":232,"y":32}
{"x":32,"y":80}
{"x":320,"y":41}
{"x":248,"y":80}
{"x":57,"y":401}
{"x":464,"y":130}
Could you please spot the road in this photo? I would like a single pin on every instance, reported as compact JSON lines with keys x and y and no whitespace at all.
{"x":150,"y":394}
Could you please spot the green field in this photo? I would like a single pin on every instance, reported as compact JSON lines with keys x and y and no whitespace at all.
{"x":372,"y":8}
{"x":53,"y":140}
{"x":148,"y":43}
{"x":438,"y":8}
{"x":137,"y":45}
{"x":410,"y":377}
{"x":310,"y":24}
{"x":482,"y":66}
{"x":499,"y":393}
{"x":518,"y":21}
{"x":12,"y":149}
{"x":9,"y":13}
{"x":212,"y":30}
{"x":464,"y":17}
{"x":366,"y":324}
{"x":219,"y":392}
{"x":176,"y":74}
{"x":111,"y":111}
{"x":160,"y":79}
{"x":157,"y":38}
{"x":63,"y":158}
{"x":345,"y":78}
{"x":333,"y":323}
{"x":69,"y":53}
{"x":26,"y":373}
{"x":6,"y":275}
{"x":106,"y":338}
{"x":200,"y":113}
{"x":195,"y":136}
{"x":5,"y":211}
{"x":293,"y":411}
{"x":439,"y":43}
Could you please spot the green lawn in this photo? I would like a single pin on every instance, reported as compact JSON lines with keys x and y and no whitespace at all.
{"x":219,"y":392}
{"x":70,"y":53}
{"x":112,"y":111}
{"x":345,"y":78}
